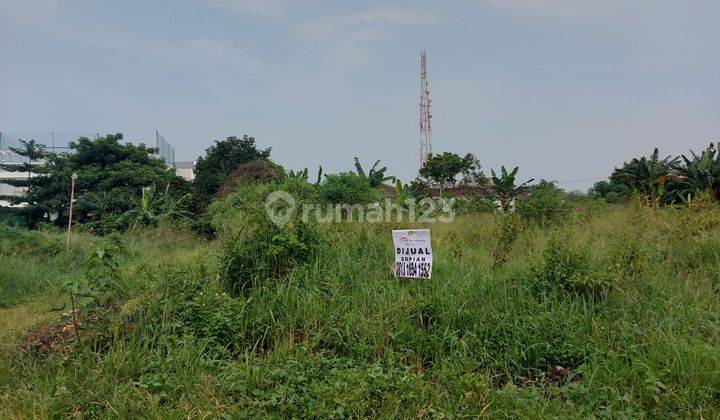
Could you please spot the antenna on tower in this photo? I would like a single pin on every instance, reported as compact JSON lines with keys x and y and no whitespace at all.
{"x":425,"y":116}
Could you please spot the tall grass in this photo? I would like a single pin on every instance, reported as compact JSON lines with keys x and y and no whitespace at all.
{"x":622,"y":299}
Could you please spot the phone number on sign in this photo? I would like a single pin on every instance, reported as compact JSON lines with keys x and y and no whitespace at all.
{"x":413,"y":269}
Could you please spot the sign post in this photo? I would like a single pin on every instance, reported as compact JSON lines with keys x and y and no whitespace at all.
{"x":72,"y":198}
{"x":413,"y":253}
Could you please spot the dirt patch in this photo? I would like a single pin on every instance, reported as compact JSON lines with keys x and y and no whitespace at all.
{"x":60,"y":337}
{"x":57,"y":338}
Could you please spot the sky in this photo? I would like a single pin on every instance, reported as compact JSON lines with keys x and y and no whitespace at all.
{"x":565,"y":89}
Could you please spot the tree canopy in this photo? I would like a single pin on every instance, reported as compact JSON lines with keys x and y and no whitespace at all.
{"x":213,"y":170}
{"x":646,"y":175}
{"x":450,"y":169}
{"x":347,"y":188}
{"x":375,"y":176}
{"x":110,"y":175}
{"x":504,"y":188}
{"x":33,"y":152}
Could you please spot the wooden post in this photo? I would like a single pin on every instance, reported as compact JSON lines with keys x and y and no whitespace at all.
{"x":72,"y":198}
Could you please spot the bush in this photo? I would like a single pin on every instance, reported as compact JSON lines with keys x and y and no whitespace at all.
{"x":567,"y":267}
{"x":510,"y":228}
{"x":475,"y":204}
{"x":254,"y":249}
{"x":347,"y":188}
{"x":256,"y":171}
{"x":545,"y":207}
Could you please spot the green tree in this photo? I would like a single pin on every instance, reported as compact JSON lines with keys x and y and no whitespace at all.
{"x":213,"y":170}
{"x":256,"y":171}
{"x":33,"y":152}
{"x":546,"y":205}
{"x":299,"y":175}
{"x":610,"y":191}
{"x":504,"y":189}
{"x":698,"y":173}
{"x":418,"y":188}
{"x":152,"y":208}
{"x":449,"y":169}
{"x":347,"y":188}
{"x":104,"y":167}
{"x":376,"y":176}
{"x":647,"y":176}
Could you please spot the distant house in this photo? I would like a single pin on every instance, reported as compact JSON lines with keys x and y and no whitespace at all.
{"x":185,"y":170}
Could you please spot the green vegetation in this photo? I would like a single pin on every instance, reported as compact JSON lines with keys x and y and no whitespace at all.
{"x":110,"y":175}
{"x":375,"y":176}
{"x":547,"y":205}
{"x":664,"y":181}
{"x":444,"y":169}
{"x":614,"y":312}
{"x":503,"y":187}
{"x":213,"y":170}
{"x":541,"y":303}
{"x":348,"y":188}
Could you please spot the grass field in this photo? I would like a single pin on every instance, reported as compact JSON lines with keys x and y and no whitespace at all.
{"x":613,"y":313}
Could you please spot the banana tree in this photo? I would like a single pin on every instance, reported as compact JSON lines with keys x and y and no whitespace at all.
{"x":151,"y":208}
{"x":701,"y":173}
{"x":303,"y":175}
{"x":376,"y":176}
{"x":647,"y":176}
{"x":503,"y":187}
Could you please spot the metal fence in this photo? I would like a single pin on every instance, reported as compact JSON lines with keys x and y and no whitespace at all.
{"x":55,"y":142}
{"x":165,"y":150}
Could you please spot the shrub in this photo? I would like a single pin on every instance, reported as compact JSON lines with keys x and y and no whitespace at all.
{"x":254,"y":249}
{"x":347,"y":188}
{"x":256,"y":171}
{"x":19,"y":241}
{"x":545,"y":207}
{"x":567,"y":267}
{"x":475,"y":204}
{"x":510,"y":228}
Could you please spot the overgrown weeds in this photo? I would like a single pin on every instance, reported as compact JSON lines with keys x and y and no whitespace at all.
{"x":613,"y":312}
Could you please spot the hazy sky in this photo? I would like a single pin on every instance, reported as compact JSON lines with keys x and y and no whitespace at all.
{"x":566,"y":89}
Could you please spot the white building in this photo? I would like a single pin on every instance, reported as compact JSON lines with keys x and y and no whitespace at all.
{"x":185,"y":170}
{"x":6,"y":189}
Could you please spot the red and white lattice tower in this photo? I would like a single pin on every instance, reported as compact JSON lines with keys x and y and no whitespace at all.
{"x":425,"y":116}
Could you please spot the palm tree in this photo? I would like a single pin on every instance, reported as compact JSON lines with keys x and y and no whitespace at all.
{"x":503,"y":187}
{"x":647,"y":175}
{"x":375,"y":176}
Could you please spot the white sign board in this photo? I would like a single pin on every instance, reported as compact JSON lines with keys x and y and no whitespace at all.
{"x":413,"y":253}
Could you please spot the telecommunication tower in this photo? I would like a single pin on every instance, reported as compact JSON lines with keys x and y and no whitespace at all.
{"x":425,"y":116}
